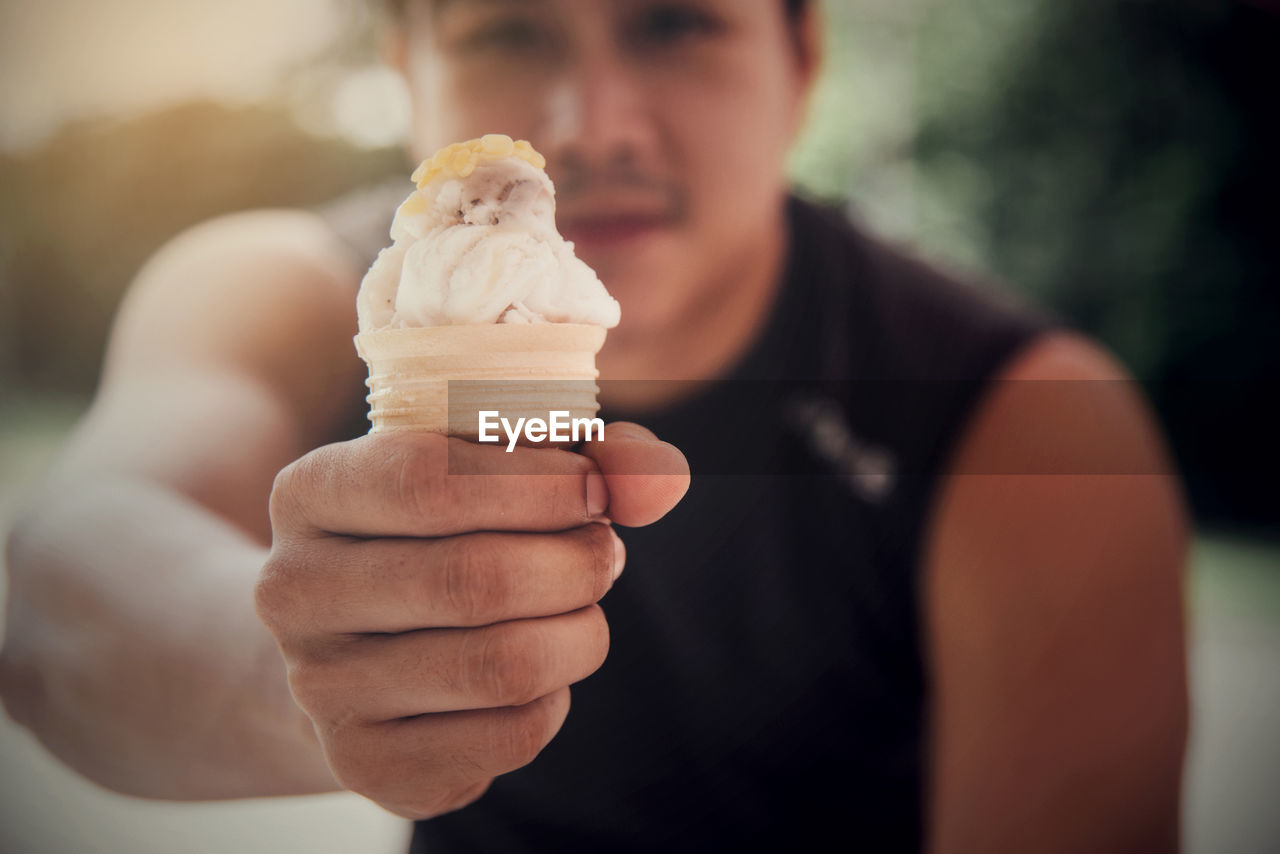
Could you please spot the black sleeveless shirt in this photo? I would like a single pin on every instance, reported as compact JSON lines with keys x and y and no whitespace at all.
{"x":765,"y":688}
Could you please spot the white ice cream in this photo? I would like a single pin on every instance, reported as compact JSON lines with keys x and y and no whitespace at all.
{"x":477,"y":243}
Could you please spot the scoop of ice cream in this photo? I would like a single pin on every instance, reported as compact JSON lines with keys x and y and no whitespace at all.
{"x":476,"y":242}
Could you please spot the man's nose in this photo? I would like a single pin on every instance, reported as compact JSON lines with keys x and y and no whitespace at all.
{"x":597,"y":115}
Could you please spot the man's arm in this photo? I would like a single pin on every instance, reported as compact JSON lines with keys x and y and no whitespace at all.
{"x":132,"y":649}
{"x":427,"y":616}
{"x":1054,"y":619}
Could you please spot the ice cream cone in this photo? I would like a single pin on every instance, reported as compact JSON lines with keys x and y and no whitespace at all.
{"x":440,"y":378}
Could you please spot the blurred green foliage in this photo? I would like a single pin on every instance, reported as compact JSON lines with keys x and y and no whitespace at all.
{"x":1114,"y":159}
{"x":1128,"y":170}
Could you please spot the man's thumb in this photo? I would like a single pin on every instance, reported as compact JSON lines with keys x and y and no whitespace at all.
{"x":646,"y":476}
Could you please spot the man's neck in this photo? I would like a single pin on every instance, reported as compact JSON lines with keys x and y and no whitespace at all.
{"x":704,"y":343}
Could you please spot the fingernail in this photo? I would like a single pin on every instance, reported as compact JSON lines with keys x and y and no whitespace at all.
{"x":619,"y":555}
{"x":597,"y":494}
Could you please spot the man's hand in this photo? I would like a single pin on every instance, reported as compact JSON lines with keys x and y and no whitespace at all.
{"x":434,"y":599}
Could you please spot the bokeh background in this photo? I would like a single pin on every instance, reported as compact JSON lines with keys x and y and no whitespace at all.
{"x":1116,"y":160}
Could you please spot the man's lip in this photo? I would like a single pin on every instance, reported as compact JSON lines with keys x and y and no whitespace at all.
{"x":610,"y":229}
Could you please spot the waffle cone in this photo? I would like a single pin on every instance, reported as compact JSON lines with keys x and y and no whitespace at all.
{"x":440,"y":378}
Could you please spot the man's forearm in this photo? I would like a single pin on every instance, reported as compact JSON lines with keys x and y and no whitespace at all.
{"x":133,"y":652}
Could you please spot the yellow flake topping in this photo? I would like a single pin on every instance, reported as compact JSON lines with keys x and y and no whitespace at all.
{"x":462,"y":158}
{"x":415,"y":204}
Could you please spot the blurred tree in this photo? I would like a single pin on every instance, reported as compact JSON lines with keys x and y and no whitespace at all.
{"x":79,"y":215}
{"x":1114,"y":158}
{"x":1121,"y":165}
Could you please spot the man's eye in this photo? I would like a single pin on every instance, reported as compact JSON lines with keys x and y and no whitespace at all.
{"x":515,"y":36}
{"x":673,"y":23}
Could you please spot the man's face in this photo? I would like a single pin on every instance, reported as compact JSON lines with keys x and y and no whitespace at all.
{"x":664,"y":122}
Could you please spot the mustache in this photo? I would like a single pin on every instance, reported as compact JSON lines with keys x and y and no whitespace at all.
{"x":581,"y":186}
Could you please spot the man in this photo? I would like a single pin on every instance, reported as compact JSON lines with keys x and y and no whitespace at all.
{"x":986,"y":660}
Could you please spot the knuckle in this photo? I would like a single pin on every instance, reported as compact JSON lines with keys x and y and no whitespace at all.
{"x":309,"y":682}
{"x":373,"y":762}
{"x":594,"y":641}
{"x":325,"y":692}
{"x":421,"y":476}
{"x":506,"y":669}
{"x":281,"y":503}
{"x":285,"y":592}
{"x":356,"y":765}
{"x":272,"y":591}
{"x":599,"y":543}
{"x":523,"y":733}
{"x":473,"y":591}
{"x":292,"y":484}
{"x":601,"y":624}
{"x":565,"y":493}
